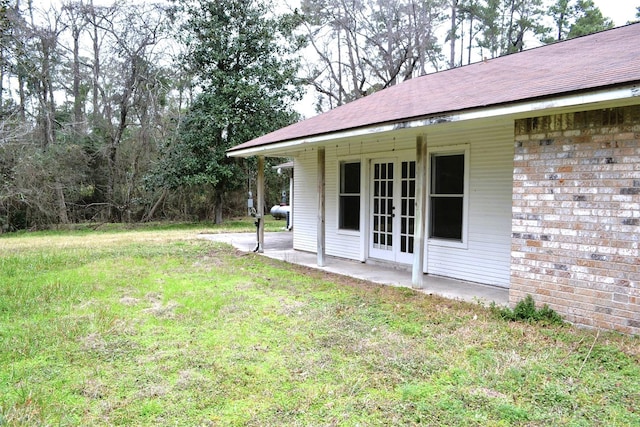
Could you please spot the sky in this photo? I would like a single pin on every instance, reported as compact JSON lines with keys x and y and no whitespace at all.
{"x":621,"y":11}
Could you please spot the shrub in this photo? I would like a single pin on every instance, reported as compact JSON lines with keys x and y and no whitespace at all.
{"x":526,"y":311}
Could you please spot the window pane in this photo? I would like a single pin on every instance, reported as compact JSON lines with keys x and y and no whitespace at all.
{"x":349,"y":216}
{"x":350,"y":212}
{"x":350,"y":178}
{"x":446,"y":217}
{"x":448,"y":174}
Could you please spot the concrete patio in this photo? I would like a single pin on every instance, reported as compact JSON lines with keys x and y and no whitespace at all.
{"x":280,"y":246}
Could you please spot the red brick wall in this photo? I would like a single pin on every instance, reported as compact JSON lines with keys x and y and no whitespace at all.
{"x":576,"y":216}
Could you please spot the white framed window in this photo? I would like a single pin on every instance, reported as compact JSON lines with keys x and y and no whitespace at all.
{"x":448,"y":196}
{"x":349,"y":196}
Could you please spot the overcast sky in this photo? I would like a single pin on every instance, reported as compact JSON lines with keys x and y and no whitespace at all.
{"x":621,"y":11}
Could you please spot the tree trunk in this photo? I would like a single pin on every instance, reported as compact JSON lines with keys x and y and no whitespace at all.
{"x":77,"y":99}
{"x":470,"y":39}
{"x":62,"y":205}
{"x":96,"y":64}
{"x":218,"y":207}
{"x":155,"y":206}
{"x":452,"y":33}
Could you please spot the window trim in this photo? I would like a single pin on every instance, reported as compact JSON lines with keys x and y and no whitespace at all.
{"x":463,"y":149}
{"x":340,"y":194}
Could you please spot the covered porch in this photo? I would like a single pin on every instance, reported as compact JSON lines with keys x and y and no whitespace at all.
{"x":280,"y":246}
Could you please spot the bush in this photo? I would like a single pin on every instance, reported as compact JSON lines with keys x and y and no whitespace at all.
{"x":526,"y":311}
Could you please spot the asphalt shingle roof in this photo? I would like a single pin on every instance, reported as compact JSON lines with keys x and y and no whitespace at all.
{"x":600,"y":60}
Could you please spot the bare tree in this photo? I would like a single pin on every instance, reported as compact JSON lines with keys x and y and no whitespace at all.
{"x":361,"y":46}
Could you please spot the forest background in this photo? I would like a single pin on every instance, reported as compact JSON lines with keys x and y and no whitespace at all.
{"x":122,"y":112}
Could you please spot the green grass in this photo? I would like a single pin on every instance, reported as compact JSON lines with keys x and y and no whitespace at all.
{"x":156,"y":327}
{"x":235,"y":225}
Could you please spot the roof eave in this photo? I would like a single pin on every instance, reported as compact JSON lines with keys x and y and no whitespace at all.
{"x":523,"y":108}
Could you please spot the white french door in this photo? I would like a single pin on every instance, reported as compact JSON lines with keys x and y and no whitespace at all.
{"x":392,"y":219}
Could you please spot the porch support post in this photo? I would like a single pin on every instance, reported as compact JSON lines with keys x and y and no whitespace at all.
{"x":260,"y":204}
{"x":321,"y":208}
{"x":420,"y":218}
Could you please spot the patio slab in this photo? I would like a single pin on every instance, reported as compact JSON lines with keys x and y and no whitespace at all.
{"x":279,"y":245}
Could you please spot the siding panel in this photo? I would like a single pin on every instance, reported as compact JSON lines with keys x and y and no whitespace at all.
{"x":306,"y":202}
{"x":340,"y":244}
{"x":487,"y":257}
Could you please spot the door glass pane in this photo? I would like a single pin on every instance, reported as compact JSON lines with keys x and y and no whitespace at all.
{"x":407,"y":202}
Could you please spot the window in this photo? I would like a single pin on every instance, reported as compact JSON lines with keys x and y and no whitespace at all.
{"x":447,"y":196}
{"x":349,"y":196}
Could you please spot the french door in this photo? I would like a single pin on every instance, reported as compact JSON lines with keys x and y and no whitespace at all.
{"x":392,"y":207}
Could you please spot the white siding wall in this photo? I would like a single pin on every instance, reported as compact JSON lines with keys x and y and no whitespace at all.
{"x":305,"y":207}
{"x":486,"y":259}
{"x":338,"y":243}
{"x":487,"y":256}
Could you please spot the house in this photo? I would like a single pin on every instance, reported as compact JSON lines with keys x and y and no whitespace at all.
{"x":521,"y":172}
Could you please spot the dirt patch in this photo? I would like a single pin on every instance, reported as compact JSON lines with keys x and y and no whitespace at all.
{"x":129,"y":301}
{"x":159,"y":308}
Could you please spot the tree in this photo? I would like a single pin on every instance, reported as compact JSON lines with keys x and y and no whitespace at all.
{"x":510,"y":23}
{"x":127,"y":78}
{"x":561,"y":13}
{"x":589,"y":19}
{"x":576,"y":18}
{"x":452,"y":32}
{"x":469,"y":11}
{"x":366,"y":45}
{"x":240,"y":54}
{"x":66,"y":157}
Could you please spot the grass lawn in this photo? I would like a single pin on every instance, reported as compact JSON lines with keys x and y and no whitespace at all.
{"x":156,"y":327}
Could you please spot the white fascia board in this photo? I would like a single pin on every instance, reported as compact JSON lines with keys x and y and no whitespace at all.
{"x":610,"y":95}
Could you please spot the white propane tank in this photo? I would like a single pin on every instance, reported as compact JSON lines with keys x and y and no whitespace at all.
{"x":280,"y":212}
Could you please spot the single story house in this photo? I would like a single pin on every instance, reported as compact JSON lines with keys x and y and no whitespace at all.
{"x":521,"y":172}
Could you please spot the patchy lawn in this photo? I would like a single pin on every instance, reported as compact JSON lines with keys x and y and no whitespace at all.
{"x":156,"y":327}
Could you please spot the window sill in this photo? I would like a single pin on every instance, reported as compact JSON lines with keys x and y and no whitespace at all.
{"x":348,"y":232}
{"x":447,"y":243}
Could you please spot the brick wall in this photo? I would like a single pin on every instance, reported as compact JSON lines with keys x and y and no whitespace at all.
{"x":576,"y":216}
